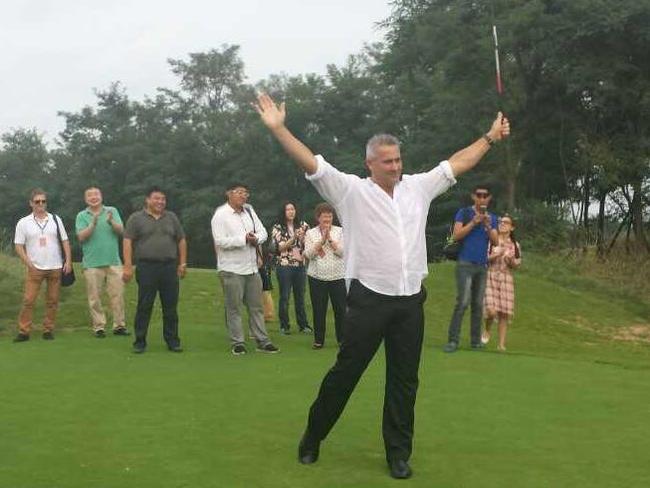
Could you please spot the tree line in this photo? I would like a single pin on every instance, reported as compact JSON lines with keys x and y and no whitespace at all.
{"x":577,"y":92}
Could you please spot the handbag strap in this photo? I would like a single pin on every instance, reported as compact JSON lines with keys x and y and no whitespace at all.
{"x":58,"y":234}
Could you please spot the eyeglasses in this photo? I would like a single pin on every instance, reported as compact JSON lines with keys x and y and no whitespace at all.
{"x":482,"y":194}
{"x":243,"y":193}
{"x":38,"y":202}
{"x":505,"y":221}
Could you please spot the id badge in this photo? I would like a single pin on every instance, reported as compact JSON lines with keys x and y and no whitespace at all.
{"x":42,"y":241}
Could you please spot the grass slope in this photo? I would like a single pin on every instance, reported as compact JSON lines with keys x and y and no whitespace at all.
{"x":566,"y":406}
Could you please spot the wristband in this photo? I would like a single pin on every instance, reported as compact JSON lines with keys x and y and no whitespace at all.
{"x":488,"y":139}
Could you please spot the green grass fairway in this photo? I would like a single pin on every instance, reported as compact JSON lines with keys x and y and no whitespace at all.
{"x":567,"y":406}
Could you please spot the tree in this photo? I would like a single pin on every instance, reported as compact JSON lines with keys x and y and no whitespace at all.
{"x":25,"y":164}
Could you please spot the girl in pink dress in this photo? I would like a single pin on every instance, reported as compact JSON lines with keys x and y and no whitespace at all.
{"x":499,"y":299}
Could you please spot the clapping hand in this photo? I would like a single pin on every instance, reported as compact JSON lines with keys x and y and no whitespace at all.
{"x":300,"y":234}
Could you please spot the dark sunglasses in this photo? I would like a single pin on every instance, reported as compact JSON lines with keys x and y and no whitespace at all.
{"x":482,"y":194}
{"x":39,"y":201}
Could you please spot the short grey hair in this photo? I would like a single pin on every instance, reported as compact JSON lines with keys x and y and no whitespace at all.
{"x":380,"y":140}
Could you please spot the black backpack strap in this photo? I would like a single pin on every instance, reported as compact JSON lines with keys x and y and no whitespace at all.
{"x":258,"y":248}
{"x":466,"y":217}
{"x":250,"y":214}
{"x":58,"y":234}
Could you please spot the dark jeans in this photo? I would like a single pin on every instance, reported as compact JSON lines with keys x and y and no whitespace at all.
{"x":292,"y":277}
{"x":157,"y":277}
{"x":470,"y":283}
{"x":371,"y":317}
{"x":320,"y":292}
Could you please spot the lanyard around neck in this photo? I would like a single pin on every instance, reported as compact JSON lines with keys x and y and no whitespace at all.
{"x":42,"y":227}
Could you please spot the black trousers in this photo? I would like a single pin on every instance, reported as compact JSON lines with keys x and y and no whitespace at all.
{"x":155,"y":277}
{"x":371,"y":317}
{"x":320,"y":293}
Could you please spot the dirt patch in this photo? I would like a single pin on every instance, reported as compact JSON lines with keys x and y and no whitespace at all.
{"x":633,"y":333}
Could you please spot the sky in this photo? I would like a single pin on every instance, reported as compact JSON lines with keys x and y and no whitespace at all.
{"x":56,"y":53}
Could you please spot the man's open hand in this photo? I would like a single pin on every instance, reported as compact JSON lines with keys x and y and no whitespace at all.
{"x":271,"y":114}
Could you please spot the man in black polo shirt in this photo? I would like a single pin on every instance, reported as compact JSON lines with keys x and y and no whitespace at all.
{"x":158,"y":240}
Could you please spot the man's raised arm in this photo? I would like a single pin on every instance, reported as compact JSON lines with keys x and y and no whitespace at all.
{"x":467,"y":158}
{"x":273,"y":117}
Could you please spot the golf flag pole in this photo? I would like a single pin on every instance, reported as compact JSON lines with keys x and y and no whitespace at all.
{"x":496,"y":60}
{"x":508,"y":155}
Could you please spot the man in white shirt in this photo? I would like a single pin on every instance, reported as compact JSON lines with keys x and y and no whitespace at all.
{"x":383,"y":219}
{"x":237,"y":232}
{"x":37,"y":245}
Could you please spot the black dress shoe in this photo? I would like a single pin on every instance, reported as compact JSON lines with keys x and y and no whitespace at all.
{"x":21,"y":338}
{"x":400,"y":469}
{"x":175,"y":348}
{"x":308,"y":450}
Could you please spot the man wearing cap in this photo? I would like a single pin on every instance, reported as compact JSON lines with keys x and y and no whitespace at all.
{"x":476,"y":228}
{"x":238,"y":232}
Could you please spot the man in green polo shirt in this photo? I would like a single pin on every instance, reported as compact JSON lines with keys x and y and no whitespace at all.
{"x":99,"y":229}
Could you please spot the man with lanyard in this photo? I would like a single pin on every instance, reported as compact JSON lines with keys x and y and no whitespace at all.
{"x":37,"y":245}
{"x":476,"y":228}
{"x":99,"y":229}
{"x":238,"y":232}
{"x":383,"y":219}
{"x":155,"y":238}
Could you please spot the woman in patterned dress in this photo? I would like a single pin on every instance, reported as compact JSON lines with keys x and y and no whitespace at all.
{"x":326,"y":272}
{"x":499,"y":300}
{"x":289,"y":240}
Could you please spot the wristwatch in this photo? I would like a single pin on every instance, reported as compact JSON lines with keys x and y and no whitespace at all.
{"x":488,"y":139}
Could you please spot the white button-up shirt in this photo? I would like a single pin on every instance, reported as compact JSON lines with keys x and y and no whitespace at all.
{"x":41,"y":241}
{"x":229,"y":229}
{"x":385,"y":247}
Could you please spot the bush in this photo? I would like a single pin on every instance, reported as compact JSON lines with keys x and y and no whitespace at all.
{"x":542,"y":227}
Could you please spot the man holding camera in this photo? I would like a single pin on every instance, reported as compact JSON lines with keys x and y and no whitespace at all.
{"x":476,"y":228}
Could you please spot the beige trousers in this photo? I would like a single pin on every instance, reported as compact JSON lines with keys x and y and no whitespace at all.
{"x":33,"y":280}
{"x":95,"y":280}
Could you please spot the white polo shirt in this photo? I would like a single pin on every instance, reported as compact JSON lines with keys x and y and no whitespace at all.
{"x":41,"y":241}
{"x":385,"y":247}
{"x":229,"y":229}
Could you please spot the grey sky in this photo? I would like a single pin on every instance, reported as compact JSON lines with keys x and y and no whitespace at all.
{"x":56,"y":52}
